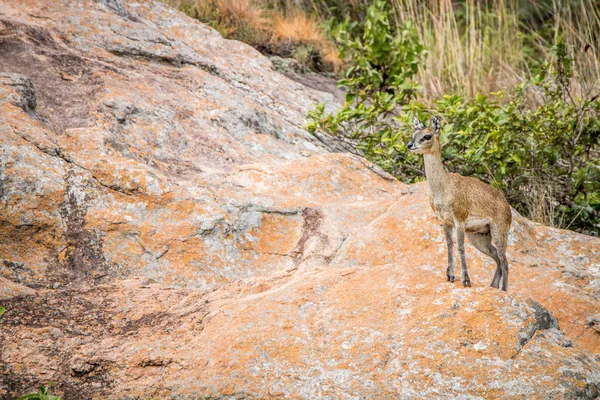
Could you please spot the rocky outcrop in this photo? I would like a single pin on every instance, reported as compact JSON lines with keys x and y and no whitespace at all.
{"x":168,"y":229}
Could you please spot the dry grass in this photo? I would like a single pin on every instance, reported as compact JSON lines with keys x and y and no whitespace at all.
{"x":244,"y":20}
{"x":541,"y":204}
{"x":477,"y":52}
{"x":579,"y":24}
{"x":240,"y":13}
{"x":304,"y":34}
{"x":331,"y":55}
{"x":285,"y":31}
{"x":298,"y":28}
{"x":482,"y":49}
{"x":486,"y":46}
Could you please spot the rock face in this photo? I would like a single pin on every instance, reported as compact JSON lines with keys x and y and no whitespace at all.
{"x":169,"y":230}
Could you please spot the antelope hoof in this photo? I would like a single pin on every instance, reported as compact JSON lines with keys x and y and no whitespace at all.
{"x":450,"y":278}
{"x":467,"y":283}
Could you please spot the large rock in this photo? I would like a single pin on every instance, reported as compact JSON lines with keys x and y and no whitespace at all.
{"x":168,"y":229}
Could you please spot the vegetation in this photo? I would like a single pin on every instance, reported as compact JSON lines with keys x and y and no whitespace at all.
{"x":42,"y":394}
{"x":288,"y":32}
{"x":473,"y":46}
{"x":539,"y":141}
{"x":482,"y":46}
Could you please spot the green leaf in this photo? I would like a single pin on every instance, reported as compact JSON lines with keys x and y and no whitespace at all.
{"x":31,"y":396}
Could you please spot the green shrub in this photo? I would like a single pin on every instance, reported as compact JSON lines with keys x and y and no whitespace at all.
{"x":379,"y":82}
{"x":544,"y":154}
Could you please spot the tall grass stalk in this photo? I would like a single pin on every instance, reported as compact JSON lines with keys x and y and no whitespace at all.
{"x":473,"y":48}
{"x":483,"y":47}
{"x":579,"y":24}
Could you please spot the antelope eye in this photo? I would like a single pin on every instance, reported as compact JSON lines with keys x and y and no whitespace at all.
{"x":426,"y":137}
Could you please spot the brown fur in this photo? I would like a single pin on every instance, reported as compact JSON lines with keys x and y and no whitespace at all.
{"x":464,"y":205}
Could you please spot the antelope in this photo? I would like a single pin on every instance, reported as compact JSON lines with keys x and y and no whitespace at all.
{"x":464,"y":205}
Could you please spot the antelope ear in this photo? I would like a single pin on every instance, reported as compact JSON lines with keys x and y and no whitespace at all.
{"x":436,"y":124}
{"x":418,"y":124}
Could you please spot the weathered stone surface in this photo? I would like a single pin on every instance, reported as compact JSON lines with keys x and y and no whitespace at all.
{"x":169,"y":230}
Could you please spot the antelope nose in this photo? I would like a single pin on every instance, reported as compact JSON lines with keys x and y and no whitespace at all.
{"x":409,"y":145}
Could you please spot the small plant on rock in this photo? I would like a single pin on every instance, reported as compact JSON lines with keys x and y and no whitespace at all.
{"x":42,"y":394}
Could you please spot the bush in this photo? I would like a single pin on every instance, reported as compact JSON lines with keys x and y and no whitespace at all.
{"x":383,"y":62}
{"x":543,"y":155}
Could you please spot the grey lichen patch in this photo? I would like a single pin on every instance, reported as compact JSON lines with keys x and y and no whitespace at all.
{"x":259,"y":121}
{"x":243,"y":121}
{"x":118,"y":8}
{"x":23,"y":92}
{"x":543,"y":318}
{"x":122,"y":111}
{"x":16,"y":271}
{"x":543,"y":321}
{"x":167,"y":56}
